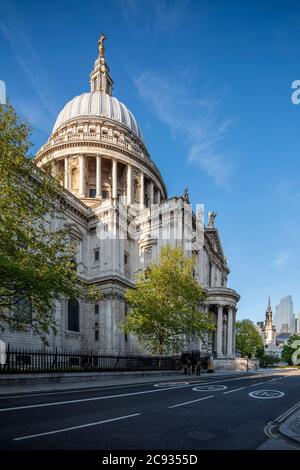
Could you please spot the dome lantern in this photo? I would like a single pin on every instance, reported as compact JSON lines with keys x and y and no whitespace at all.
{"x":100,"y":78}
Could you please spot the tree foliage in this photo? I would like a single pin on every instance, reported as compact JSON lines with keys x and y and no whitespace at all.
{"x":287,"y":349}
{"x":248,"y":340}
{"x":165,"y":304}
{"x":36,"y":257}
{"x":268,"y":360}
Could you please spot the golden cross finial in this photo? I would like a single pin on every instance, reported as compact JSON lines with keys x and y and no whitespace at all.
{"x":100,"y":44}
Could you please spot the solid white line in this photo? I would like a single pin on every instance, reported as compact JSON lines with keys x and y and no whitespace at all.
{"x":32,"y":436}
{"x":80,"y":390}
{"x":188,"y":402}
{"x":81,"y":400}
{"x":235,"y":390}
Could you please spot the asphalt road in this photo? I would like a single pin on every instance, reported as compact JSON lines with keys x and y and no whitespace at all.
{"x":162,"y":416}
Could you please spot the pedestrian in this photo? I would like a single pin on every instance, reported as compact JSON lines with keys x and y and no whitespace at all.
{"x":185,"y":369}
{"x":198,"y":367}
{"x":193,"y":367}
{"x":189,"y":366}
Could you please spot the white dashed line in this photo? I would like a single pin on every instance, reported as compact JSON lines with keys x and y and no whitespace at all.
{"x":235,"y":390}
{"x":188,"y":402}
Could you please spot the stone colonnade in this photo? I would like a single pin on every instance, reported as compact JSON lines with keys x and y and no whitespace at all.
{"x":154,"y":192}
{"x":225,"y":336}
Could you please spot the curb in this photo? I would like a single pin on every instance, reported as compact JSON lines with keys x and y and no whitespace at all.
{"x":290,"y":428}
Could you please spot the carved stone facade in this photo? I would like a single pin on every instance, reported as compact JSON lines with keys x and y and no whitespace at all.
{"x":96,"y":149}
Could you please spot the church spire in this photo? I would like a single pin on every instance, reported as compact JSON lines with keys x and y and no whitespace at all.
{"x":269,"y":310}
{"x":269,"y":305}
{"x":100,"y":78}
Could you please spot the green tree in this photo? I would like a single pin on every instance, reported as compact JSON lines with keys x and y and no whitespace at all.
{"x":248,"y":340}
{"x":165,"y":304}
{"x":36,"y":261}
{"x":287,"y":349}
{"x":268,"y":360}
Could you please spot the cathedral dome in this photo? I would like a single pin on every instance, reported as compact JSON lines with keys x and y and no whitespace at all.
{"x":98,"y":104}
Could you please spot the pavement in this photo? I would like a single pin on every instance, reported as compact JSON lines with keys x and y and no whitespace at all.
{"x":291,"y":427}
{"x":224,"y":411}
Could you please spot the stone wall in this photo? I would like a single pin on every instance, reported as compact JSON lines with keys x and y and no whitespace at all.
{"x":237,"y":363}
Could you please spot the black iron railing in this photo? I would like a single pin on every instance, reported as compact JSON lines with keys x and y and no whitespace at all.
{"x":26,"y":360}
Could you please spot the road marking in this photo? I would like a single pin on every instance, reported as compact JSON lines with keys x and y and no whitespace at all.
{"x":209,"y":388}
{"x":170,"y":384}
{"x":81,"y":400}
{"x":288,"y":412}
{"x":259,"y":383}
{"x":192,"y":401}
{"x":235,"y":390}
{"x":266,"y":394}
{"x":33,"y":436}
{"x":268,"y":430}
{"x":120,"y":386}
{"x":57,"y":403}
{"x":80,"y":390}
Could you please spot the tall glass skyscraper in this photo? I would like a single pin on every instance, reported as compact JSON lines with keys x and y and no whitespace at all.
{"x":284,"y":316}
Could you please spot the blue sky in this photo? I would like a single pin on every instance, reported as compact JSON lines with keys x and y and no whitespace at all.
{"x":210,"y":85}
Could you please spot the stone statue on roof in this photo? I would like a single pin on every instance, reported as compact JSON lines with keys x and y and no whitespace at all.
{"x":211,"y":219}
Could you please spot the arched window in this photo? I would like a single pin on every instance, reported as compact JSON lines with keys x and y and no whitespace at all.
{"x":73,"y":315}
{"x":75,"y":178}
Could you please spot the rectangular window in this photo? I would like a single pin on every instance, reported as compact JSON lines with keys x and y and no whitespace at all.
{"x":125,"y":258}
{"x":96,"y":309}
{"x":92,"y":192}
{"x":96,"y":335}
{"x":96,"y":255}
{"x":105,"y":194}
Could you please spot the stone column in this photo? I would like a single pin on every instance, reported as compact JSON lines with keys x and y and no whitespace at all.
{"x":233,"y":332}
{"x":220,"y":331}
{"x":67,"y":172}
{"x":114,"y":179}
{"x":229,"y":331}
{"x":98,"y":176}
{"x":158,"y":196}
{"x":129,"y":185}
{"x":142,"y":191}
{"x":151,"y":193}
{"x":81,"y":175}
